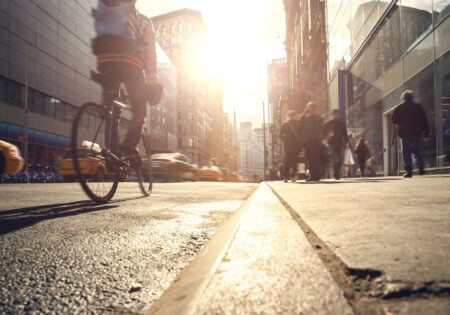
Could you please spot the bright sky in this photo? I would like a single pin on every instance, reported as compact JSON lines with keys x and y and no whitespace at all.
{"x":242,"y":37}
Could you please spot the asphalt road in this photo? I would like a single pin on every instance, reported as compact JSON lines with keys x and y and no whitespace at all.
{"x":63,"y":254}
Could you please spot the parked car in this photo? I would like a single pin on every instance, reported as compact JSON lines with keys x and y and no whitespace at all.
{"x":211,"y":173}
{"x":10,"y":160}
{"x":173,"y":167}
{"x":236,"y":178}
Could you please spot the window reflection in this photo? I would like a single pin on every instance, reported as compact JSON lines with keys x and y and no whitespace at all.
{"x":390,"y":41}
{"x":441,"y":9}
{"x":416,"y":19}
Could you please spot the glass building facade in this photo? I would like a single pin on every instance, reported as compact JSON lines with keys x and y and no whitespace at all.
{"x":45,"y":68}
{"x":377,"y":50}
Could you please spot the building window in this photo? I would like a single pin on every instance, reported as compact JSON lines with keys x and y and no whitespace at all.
{"x":59,"y":109}
{"x":180,"y":27}
{"x":163,"y":30}
{"x":189,"y":89}
{"x":15,"y":94}
{"x":173,"y":41}
{"x":180,"y":39}
{"x":172,"y":28}
{"x":190,"y":116}
{"x":191,"y":142}
{"x":190,"y":27}
{"x":39,"y":102}
{"x":2,"y":90}
{"x":164,"y":43}
{"x":157,"y":32}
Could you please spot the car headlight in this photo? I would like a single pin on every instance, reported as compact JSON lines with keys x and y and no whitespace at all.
{"x":13,"y":150}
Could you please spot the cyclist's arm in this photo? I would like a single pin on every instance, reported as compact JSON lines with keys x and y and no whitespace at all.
{"x":150,"y":60}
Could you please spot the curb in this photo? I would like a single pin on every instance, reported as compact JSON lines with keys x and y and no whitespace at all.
{"x":184,"y":293}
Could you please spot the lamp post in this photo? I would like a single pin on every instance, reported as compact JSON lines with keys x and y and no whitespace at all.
{"x":264,"y":136}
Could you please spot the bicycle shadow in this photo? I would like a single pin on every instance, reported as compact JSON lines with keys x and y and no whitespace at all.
{"x":16,"y":219}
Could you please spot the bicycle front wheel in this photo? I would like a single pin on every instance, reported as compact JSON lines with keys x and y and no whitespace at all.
{"x":96,"y":172}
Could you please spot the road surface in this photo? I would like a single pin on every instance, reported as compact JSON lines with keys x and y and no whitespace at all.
{"x":63,"y":254}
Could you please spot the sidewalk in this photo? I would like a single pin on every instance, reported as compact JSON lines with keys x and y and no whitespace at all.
{"x":365,"y":246}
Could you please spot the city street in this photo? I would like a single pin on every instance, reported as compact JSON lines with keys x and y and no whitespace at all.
{"x":63,"y":254}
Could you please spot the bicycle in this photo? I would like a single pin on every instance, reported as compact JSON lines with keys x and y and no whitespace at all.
{"x":95,"y":146}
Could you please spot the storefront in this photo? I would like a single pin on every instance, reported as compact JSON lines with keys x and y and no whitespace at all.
{"x":392,"y":47}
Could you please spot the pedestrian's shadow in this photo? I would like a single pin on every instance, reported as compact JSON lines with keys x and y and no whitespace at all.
{"x":15,"y":219}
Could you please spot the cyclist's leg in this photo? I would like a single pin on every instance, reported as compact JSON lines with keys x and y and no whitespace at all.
{"x":133,"y":79}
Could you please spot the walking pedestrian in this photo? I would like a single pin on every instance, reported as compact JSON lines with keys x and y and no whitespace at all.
{"x":337,"y":137}
{"x":411,"y":126}
{"x":362,"y":154}
{"x":311,"y":134}
{"x":289,"y":135}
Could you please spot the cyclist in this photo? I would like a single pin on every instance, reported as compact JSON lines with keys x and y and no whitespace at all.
{"x":126,"y":51}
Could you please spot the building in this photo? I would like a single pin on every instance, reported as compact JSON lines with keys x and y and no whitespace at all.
{"x":215,"y":138}
{"x":306,"y":52}
{"x":163,"y":119}
{"x":251,"y":152}
{"x":199,"y":103}
{"x":45,"y":66}
{"x":230,"y":145}
{"x":377,"y":50}
{"x":277,"y":74}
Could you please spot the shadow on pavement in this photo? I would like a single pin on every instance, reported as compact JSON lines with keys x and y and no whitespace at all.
{"x":12,"y":220}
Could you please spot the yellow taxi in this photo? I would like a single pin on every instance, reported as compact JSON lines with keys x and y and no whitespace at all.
{"x":211,"y":173}
{"x":10,"y":160}
{"x":89,"y":164}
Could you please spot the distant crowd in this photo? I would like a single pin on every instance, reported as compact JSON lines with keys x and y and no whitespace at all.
{"x":308,"y":138}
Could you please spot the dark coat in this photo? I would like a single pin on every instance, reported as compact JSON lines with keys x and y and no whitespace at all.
{"x":362,"y":152}
{"x":290,"y":135}
{"x":411,"y":120}
{"x":338,"y":131}
{"x":311,"y":128}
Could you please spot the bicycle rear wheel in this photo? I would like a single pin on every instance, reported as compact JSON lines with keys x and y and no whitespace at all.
{"x":141,"y":175}
{"x":95,"y":171}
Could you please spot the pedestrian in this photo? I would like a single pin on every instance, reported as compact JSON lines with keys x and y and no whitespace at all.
{"x":362,"y":154}
{"x":290,"y":136}
{"x":335,"y":132}
{"x":348,"y":161}
{"x":311,"y":135}
{"x":411,"y":126}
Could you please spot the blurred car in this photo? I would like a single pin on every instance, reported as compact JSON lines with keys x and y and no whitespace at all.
{"x":211,"y":173}
{"x":90,"y":164}
{"x":10,"y":160}
{"x":236,"y":178}
{"x":173,"y":166}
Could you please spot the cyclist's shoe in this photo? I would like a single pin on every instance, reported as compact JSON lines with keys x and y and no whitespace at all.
{"x":131,"y":154}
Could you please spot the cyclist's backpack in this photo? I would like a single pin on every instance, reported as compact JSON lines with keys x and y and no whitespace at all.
{"x":116,"y":26}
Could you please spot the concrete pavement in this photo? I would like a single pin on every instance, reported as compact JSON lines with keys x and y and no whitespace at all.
{"x":364,"y":246}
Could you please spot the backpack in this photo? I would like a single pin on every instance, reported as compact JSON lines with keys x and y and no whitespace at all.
{"x":118,"y":18}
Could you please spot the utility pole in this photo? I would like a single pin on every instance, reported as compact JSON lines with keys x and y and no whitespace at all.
{"x":264,"y":135}
{"x":26,"y":117}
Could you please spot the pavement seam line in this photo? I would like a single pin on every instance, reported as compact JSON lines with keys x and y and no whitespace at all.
{"x":183,"y":295}
{"x":353,"y":281}
{"x":326,"y":255}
